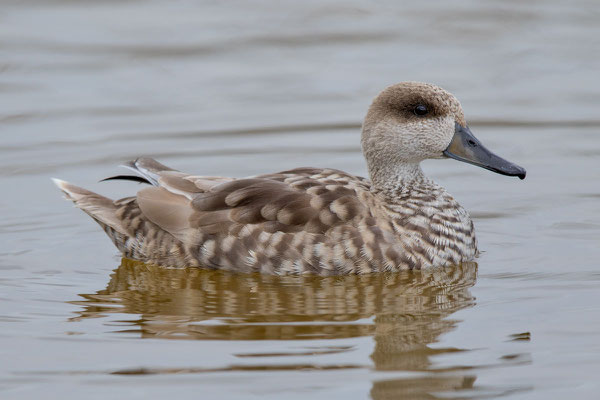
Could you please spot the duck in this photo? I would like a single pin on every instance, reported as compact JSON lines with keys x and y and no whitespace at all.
{"x":309,"y":220}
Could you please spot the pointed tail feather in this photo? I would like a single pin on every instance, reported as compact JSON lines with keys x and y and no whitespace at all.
{"x":100,"y":208}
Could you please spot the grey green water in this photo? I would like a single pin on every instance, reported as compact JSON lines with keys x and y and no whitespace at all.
{"x":239,"y":88}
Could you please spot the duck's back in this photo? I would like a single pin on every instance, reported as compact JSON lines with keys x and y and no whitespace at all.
{"x":289,"y":222}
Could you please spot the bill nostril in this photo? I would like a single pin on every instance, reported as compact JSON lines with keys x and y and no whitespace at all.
{"x":472,"y":143}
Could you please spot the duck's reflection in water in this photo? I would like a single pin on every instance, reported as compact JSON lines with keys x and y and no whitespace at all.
{"x":403,"y":312}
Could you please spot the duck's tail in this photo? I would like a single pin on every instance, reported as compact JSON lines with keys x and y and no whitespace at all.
{"x":102,"y":209}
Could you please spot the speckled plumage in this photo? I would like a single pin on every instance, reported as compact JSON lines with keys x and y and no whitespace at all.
{"x":306,"y":220}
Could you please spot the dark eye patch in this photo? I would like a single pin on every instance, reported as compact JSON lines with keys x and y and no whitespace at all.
{"x":415,"y":106}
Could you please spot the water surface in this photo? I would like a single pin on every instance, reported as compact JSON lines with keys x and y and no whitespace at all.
{"x":238,"y":88}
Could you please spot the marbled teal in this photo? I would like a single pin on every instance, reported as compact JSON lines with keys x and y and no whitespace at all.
{"x":312,"y":220}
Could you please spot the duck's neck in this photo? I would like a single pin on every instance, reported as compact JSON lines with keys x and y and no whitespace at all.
{"x":398,"y":176}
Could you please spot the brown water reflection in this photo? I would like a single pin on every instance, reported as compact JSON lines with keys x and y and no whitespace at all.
{"x":404,"y":312}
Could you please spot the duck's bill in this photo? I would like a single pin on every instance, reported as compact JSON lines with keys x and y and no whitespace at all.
{"x":465,"y":147}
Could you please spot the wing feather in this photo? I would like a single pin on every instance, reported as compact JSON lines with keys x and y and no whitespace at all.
{"x":190,"y":207}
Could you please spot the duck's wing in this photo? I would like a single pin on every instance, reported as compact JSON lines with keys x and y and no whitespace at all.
{"x":307,"y":199}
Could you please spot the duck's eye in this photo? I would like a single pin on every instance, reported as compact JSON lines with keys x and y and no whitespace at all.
{"x":421,"y":110}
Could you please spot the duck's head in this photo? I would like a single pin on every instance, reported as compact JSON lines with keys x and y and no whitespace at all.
{"x":412,"y":121}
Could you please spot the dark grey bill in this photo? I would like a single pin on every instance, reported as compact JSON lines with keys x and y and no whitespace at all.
{"x":465,"y":147}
